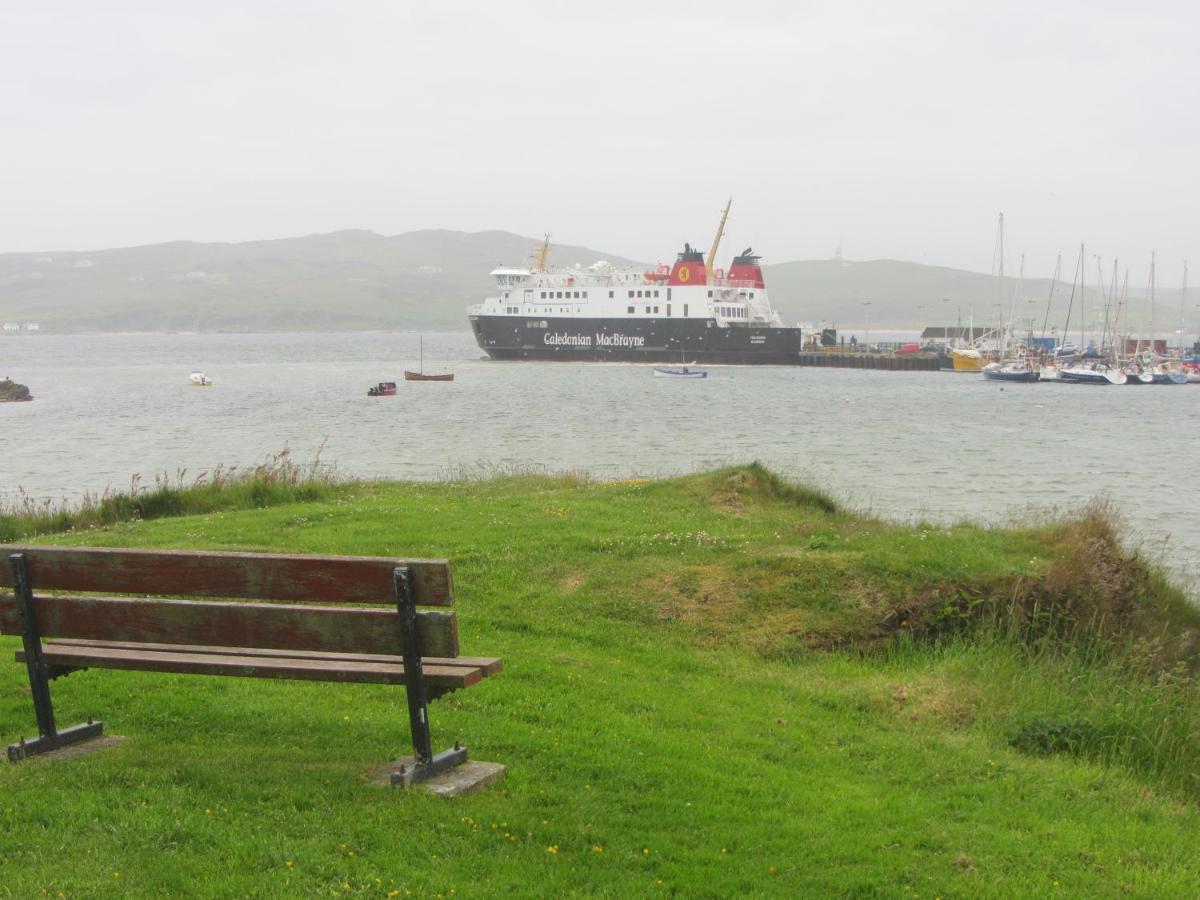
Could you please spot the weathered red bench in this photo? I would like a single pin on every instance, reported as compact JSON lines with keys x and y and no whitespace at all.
{"x":347,"y":638}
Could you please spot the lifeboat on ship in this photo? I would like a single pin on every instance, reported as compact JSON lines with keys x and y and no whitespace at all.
{"x":656,"y":276}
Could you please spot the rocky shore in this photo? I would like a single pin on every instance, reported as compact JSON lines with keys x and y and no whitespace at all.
{"x":11,"y":392}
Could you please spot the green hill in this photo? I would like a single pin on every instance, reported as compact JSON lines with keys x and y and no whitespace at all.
{"x":717,"y":685}
{"x":356,"y":280}
{"x":341,"y":281}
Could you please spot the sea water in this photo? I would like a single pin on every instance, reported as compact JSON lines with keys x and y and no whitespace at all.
{"x":905,"y":445}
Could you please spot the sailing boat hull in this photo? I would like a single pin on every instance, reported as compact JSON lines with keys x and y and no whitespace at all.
{"x":1169,"y":378}
{"x":1092,"y":376}
{"x":417,"y":376}
{"x":997,"y":372}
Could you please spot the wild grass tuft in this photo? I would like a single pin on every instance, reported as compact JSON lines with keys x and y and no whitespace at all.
{"x":277,"y":480}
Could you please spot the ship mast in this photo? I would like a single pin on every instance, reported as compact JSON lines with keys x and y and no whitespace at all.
{"x":712,"y":254}
{"x":541,"y":255}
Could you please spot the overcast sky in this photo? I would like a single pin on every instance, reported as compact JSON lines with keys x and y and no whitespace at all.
{"x":893,"y":129}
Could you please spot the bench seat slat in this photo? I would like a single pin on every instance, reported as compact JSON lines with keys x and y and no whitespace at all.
{"x":327,"y":579}
{"x":438,"y":677}
{"x":486,"y":665}
{"x":274,"y":626}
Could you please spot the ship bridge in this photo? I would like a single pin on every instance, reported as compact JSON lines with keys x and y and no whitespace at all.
{"x":510,"y":277}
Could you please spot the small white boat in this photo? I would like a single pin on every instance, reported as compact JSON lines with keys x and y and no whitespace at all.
{"x":680,"y":372}
{"x":199,"y":379}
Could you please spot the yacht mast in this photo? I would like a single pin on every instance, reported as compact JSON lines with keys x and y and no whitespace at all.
{"x":1050,"y":299}
{"x":1150,"y":292}
{"x":1182,"y":302}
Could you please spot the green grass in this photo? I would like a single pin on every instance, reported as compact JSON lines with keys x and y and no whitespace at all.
{"x":714,"y":685}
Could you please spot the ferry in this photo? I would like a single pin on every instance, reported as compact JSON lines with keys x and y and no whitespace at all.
{"x":689,"y":310}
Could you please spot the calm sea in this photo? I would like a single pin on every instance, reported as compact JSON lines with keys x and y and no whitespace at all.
{"x":933,"y":446}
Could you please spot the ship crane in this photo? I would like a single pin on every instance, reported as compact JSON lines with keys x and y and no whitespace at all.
{"x":712,"y":254}
{"x":539,"y":256}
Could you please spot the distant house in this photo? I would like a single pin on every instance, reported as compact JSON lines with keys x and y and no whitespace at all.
{"x":10,"y":326}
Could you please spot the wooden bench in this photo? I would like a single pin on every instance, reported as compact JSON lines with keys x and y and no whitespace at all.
{"x":344,"y":639}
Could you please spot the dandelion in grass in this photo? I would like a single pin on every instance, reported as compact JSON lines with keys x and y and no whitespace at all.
{"x":552,"y":849}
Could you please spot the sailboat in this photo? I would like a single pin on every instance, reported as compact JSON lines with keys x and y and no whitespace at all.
{"x":420,"y":375}
{"x":1015,"y":363}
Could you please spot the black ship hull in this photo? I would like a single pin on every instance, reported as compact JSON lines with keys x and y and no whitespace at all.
{"x":643,"y":340}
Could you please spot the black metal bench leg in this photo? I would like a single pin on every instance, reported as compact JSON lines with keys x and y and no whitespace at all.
{"x":49,"y":737}
{"x":427,"y":764}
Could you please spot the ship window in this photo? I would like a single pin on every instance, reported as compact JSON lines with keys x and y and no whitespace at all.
{"x":710,"y":295}
{"x":631,"y":309}
{"x":577,"y":295}
{"x":685,"y":306}
{"x":752,"y":295}
{"x":610,"y":295}
{"x":585,"y":295}
{"x":543,"y":295}
{"x":647,"y":310}
{"x":656,"y":310}
{"x":631,"y":294}
{"x":656,"y":295}
{"x":668,"y":309}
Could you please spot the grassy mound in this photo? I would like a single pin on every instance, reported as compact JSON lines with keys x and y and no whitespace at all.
{"x":719,"y":684}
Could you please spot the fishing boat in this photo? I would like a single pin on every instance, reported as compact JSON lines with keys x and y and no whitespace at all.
{"x":199,"y":379}
{"x":967,"y":359}
{"x":420,"y":375}
{"x":383,"y":389}
{"x":680,"y":372}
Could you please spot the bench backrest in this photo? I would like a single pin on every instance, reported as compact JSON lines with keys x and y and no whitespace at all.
{"x":352,"y":626}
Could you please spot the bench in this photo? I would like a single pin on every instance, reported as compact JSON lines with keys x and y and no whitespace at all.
{"x":316,"y":618}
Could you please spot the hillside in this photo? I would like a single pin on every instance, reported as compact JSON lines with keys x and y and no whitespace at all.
{"x":716,"y":685}
{"x":359,"y":280}
{"x":347,"y":280}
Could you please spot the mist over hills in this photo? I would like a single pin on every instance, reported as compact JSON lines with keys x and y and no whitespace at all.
{"x":360,"y":280}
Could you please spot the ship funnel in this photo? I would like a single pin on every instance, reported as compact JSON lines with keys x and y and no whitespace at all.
{"x":746,"y":269}
{"x":689,"y":268}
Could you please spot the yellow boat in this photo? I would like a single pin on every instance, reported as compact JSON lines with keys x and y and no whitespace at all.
{"x":968,"y":360}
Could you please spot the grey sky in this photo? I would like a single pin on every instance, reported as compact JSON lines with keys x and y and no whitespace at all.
{"x":896,"y":129}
